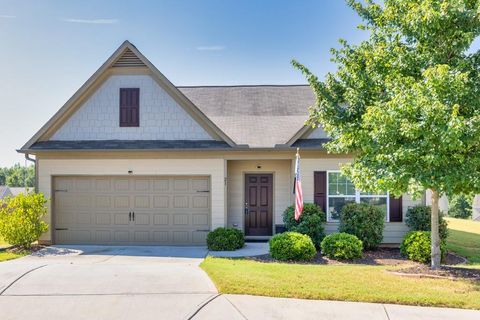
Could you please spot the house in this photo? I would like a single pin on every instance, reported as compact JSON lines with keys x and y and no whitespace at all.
{"x":5,"y":192}
{"x":133,"y":159}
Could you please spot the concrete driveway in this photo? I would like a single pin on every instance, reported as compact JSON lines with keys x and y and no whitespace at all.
{"x":96,"y":282}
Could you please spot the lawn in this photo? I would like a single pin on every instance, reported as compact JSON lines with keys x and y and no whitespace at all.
{"x":4,"y":255}
{"x":338,"y":282}
{"x":354,"y":282}
{"x":464,"y":239}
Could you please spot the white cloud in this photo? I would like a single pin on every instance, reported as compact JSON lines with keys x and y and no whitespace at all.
{"x":92,"y":21}
{"x":5,"y":16}
{"x":210,"y":48}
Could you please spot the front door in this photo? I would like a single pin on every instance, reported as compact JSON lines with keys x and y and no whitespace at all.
{"x":258,"y":204}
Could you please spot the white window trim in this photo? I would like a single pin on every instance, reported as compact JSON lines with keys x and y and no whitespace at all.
{"x":357,"y":197}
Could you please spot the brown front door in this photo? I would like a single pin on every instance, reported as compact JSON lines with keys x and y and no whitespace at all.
{"x":258,"y":204}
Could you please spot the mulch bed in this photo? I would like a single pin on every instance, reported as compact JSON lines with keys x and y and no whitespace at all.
{"x":445,"y":272}
{"x":381,"y":256}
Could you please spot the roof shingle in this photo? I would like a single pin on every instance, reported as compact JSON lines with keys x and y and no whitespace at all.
{"x":259,"y":116}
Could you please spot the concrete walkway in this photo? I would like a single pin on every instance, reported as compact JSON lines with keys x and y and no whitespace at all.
{"x":249,"y":250}
{"x":243,"y":307}
{"x":95,"y":282}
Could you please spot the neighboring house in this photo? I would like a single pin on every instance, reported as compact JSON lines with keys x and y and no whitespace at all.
{"x":133,"y":159}
{"x":17,"y":190}
{"x":5,"y":192}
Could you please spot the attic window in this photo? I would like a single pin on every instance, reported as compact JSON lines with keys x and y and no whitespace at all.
{"x":129,"y":107}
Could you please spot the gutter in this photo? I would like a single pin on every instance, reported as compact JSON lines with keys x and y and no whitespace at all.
{"x":27,"y":157}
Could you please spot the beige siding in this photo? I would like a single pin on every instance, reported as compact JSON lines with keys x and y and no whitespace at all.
{"x":282,"y":187}
{"x":394,"y":231}
{"x":214,"y":168}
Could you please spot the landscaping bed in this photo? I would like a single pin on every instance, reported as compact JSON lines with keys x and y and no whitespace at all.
{"x":447,"y":272}
{"x":381,"y":256}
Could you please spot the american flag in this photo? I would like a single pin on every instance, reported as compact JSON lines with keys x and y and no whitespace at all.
{"x":298,"y":189}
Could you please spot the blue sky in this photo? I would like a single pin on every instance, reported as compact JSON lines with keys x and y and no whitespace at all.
{"x":50,"y":48}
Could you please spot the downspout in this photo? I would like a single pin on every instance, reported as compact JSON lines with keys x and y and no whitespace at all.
{"x":28,"y":158}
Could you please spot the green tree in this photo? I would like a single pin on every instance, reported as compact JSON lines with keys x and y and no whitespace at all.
{"x":18,"y":176}
{"x":460,"y":206}
{"x":405,"y":101}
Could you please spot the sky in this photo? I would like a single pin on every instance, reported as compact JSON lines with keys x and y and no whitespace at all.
{"x":50,"y":48}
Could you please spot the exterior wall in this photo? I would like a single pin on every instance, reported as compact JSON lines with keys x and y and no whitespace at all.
{"x":161,"y":118}
{"x":282,"y":188}
{"x":394,"y":231}
{"x":208,"y":167}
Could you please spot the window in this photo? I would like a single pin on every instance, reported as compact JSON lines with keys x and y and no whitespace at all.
{"x":129,"y":107}
{"x":342,"y":191}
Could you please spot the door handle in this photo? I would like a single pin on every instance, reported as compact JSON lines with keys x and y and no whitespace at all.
{"x":130,"y":216}
{"x":133,"y":216}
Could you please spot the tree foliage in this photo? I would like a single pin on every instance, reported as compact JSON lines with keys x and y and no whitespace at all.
{"x":18,"y":176}
{"x":405,"y":101}
{"x":460,"y":206}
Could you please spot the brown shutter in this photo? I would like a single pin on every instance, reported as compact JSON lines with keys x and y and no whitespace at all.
{"x":320,"y":189}
{"x":129,"y":107}
{"x":396,"y":213}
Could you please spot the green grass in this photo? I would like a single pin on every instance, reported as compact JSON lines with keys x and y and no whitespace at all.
{"x":464,"y":239}
{"x":338,"y":282}
{"x":5,"y":255}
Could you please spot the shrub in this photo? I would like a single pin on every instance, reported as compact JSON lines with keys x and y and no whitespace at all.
{"x":292,"y":246}
{"x":225,"y":239}
{"x":418,"y":218}
{"x":342,"y":246}
{"x":21,"y":219}
{"x":460,"y":207}
{"x":364,"y":221}
{"x":310,"y":222}
{"x":416,"y":246}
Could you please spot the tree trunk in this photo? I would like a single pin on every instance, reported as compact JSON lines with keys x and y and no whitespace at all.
{"x":435,"y":237}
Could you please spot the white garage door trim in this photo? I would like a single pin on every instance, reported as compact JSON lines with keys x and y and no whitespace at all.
{"x":165,"y":210}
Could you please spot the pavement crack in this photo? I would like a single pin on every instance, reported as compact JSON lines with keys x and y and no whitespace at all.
{"x":386,"y":312}
{"x":20,"y":277}
{"x":203,"y":305}
{"x":235,"y":307}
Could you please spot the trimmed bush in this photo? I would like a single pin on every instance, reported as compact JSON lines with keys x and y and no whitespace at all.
{"x":225,"y":239}
{"x":416,"y":246}
{"x":418,"y":218}
{"x":342,"y":246}
{"x":364,"y":221}
{"x":460,"y":207}
{"x":310,"y":222}
{"x":292,"y":246}
{"x":21,"y":219}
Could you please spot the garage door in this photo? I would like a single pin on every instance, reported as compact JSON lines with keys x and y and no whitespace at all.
{"x":131,"y":210}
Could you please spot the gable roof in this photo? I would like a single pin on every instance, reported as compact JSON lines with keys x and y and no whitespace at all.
{"x":5,"y":192}
{"x":261,"y":116}
{"x":129,"y":58}
{"x":257,"y":116}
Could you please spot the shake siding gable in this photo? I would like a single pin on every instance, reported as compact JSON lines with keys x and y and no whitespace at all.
{"x":160,"y":117}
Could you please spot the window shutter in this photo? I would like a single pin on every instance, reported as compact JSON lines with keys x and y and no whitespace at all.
{"x":129,"y":107}
{"x":320,"y":189}
{"x":396,"y":212}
